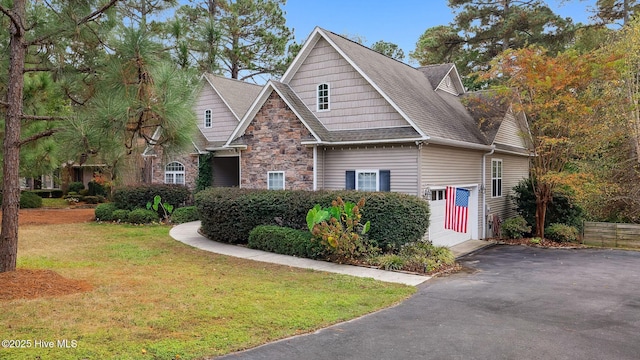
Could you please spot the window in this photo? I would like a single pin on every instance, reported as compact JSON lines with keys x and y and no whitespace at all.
{"x":437,"y":195}
{"x":174,"y":173}
{"x":275,"y":180}
{"x":496,"y":178}
{"x":368,"y":180}
{"x":207,"y":118}
{"x":323,"y":97}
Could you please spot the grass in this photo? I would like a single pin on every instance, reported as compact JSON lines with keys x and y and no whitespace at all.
{"x":155,"y":298}
{"x":53,"y":203}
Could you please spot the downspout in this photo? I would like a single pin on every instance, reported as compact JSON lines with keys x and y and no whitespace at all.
{"x":484,"y":190}
{"x":315,"y":167}
{"x":419,"y":192}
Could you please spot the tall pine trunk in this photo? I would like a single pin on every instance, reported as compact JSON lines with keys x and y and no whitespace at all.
{"x":11,"y":144}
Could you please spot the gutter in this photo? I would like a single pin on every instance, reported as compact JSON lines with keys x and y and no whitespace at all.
{"x":484,"y":190}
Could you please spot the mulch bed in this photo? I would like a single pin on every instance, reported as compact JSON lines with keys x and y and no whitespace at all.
{"x":544,"y":243}
{"x":31,"y":284}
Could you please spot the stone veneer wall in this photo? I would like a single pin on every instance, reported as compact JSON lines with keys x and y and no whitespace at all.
{"x":273,"y":141}
{"x":190,"y":162}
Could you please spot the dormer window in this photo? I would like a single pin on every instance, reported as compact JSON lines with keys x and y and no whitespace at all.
{"x":323,"y":97}
{"x":207,"y":118}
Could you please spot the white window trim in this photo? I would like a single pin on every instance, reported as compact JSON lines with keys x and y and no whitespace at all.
{"x":377,"y":172}
{"x":174,"y":173}
{"x":204,"y":119}
{"x":501,"y":177}
{"x":328,"y":97}
{"x":284,"y":179}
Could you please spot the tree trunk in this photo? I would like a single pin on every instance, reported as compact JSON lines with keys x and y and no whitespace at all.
{"x":543,"y":196}
{"x":11,"y":144}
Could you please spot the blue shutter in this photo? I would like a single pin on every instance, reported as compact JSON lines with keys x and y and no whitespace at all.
{"x":350,"y":180}
{"x":385,"y":180}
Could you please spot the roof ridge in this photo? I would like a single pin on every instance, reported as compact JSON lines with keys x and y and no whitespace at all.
{"x":231,"y":79}
{"x":368,"y":48}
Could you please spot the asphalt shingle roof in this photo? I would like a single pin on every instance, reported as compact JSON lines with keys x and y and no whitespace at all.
{"x":238,"y":94}
{"x":436,"y":115}
{"x":435,"y":73}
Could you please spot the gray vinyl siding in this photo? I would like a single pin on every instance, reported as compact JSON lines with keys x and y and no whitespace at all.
{"x":354,"y":103}
{"x":401,"y":160}
{"x":222,"y":119}
{"x":442,"y":166}
{"x":514,"y":169}
{"x":320,"y":168}
{"x":509,"y":132}
{"x":450,"y":88}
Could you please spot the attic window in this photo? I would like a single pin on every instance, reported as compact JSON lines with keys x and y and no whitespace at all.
{"x":207,"y":118}
{"x":323,"y":97}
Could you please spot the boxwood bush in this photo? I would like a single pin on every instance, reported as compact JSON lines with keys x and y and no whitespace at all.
{"x":104,"y":212}
{"x":121,"y":215}
{"x":184,"y":214}
{"x":142,"y":216}
{"x":30,"y":200}
{"x":136,"y":197}
{"x":229,"y":214}
{"x":284,"y":240}
{"x":76,"y":187}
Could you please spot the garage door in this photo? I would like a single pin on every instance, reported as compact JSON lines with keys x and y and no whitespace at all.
{"x":440,"y":236}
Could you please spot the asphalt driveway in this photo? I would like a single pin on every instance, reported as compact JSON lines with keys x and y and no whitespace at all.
{"x":515,"y":303}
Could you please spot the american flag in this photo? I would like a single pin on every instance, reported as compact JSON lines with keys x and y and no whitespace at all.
{"x":457,"y":209}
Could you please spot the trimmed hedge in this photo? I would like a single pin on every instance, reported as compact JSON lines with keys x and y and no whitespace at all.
{"x":137,"y":197}
{"x":287,"y":241}
{"x":30,"y":200}
{"x":104,"y":212}
{"x":142,"y":216}
{"x":184,"y":214}
{"x":229,"y":214}
{"x":121,"y":215}
{"x":76,"y":187}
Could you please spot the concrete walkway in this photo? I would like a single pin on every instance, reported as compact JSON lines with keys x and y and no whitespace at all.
{"x":188,"y":233}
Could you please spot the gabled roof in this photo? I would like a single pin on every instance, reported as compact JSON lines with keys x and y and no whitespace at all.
{"x":237,"y":95}
{"x":438,"y":73}
{"x":488,"y":109}
{"x":405,"y":88}
{"x":303,"y":113}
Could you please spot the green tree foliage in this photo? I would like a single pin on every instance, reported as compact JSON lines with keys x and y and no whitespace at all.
{"x":241,"y":38}
{"x":482,"y":29}
{"x":58,"y":37}
{"x":616,"y":11}
{"x":389,"y":49}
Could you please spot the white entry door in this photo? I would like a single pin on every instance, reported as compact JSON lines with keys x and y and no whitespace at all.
{"x":440,"y":236}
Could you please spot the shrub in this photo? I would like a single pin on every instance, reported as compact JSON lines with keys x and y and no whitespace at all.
{"x":96,"y":189}
{"x":142,"y":216}
{"x":49,"y":193}
{"x":229,"y":214}
{"x":562,"y":233}
{"x":137,"y":197}
{"x":562,"y":208}
{"x":75,"y":187}
{"x":390,"y":262}
{"x":30,"y":200}
{"x":514,"y":228}
{"x":104,"y":212}
{"x":120,"y":215}
{"x":287,"y":241}
{"x":91,"y":199}
{"x":184,"y":214}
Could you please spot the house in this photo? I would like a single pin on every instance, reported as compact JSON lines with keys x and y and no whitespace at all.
{"x":344,"y":116}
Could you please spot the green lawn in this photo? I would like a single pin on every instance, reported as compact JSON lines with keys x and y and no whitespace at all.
{"x":155,"y":298}
{"x":54,"y":203}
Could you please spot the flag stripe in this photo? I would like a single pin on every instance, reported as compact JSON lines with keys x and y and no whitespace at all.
{"x":457,"y":209}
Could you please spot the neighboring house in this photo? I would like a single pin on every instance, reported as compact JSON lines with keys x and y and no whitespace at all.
{"x":344,"y":116}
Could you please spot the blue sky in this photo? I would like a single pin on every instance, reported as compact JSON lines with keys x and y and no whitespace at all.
{"x":397,"y":21}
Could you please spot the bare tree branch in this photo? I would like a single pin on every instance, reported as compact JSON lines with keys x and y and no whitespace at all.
{"x":39,"y":136}
{"x":44,"y":118}
{"x":96,"y":13}
{"x":9,"y":14}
